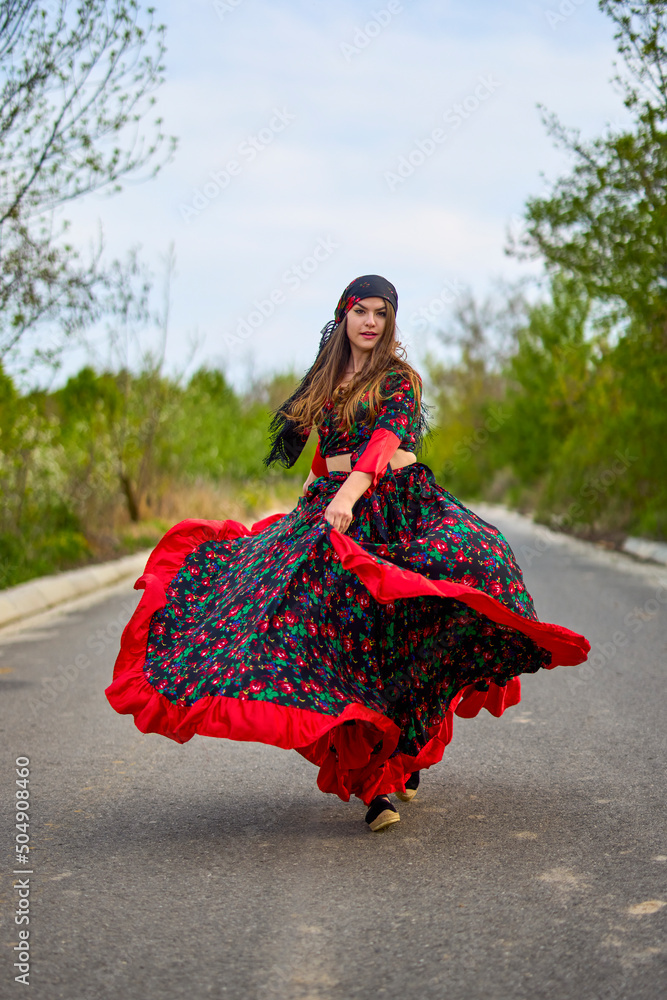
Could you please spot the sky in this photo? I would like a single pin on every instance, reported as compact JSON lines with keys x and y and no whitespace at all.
{"x":320,"y":141}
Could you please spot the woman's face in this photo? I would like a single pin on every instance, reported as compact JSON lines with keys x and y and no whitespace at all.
{"x":366,"y":323}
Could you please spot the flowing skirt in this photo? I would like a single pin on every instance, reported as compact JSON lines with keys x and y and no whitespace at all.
{"x":355,"y":649}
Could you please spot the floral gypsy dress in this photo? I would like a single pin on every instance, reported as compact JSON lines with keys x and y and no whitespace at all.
{"x":354,"y":649}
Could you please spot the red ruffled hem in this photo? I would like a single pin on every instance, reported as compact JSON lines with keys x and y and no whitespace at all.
{"x":349,"y":768}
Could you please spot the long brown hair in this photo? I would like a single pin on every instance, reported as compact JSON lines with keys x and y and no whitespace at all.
{"x":387,"y":355}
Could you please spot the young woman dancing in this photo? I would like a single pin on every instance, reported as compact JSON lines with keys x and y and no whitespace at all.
{"x":355,"y":627}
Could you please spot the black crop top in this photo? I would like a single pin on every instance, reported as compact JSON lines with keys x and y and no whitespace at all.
{"x":398,"y":414}
{"x":397,"y":425}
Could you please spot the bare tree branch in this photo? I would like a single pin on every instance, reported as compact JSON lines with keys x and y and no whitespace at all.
{"x":76,"y":84}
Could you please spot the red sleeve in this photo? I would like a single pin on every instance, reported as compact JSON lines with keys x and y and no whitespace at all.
{"x":377,"y":454}
{"x":319,"y":466}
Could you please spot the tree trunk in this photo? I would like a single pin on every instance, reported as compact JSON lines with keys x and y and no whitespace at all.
{"x":130,"y":498}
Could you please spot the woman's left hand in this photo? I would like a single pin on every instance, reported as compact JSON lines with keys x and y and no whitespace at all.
{"x":339,"y":513}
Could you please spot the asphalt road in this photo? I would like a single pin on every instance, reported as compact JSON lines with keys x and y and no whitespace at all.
{"x":531,"y":865}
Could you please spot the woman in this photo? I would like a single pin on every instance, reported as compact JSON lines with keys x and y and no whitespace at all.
{"x":353,"y":628}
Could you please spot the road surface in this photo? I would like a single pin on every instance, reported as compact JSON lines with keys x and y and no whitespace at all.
{"x":531,"y":864}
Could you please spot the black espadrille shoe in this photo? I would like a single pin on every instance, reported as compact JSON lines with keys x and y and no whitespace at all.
{"x":411,"y":786}
{"x":381,"y":814}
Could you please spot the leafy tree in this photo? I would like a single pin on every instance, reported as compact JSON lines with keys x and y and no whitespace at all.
{"x":217,"y":434}
{"x":603,"y":229}
{"x":39,"y":532}
{"x":606,"y":221}
{"x":547,"y":376}
{"x":468,"y":394}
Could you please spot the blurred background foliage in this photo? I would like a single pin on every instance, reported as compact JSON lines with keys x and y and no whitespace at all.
{"x":544,"y":410}
{"x":565,"y":418}
{"x":105,"y":464}
{"x":555,"y":401}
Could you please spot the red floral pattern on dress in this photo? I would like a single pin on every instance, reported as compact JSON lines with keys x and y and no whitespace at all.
{"x":398,"y":414}
{"x":275,"y":616}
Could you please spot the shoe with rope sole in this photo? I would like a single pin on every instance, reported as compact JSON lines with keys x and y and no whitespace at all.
{"x":381,"y":814}
{"x":411,"y":786}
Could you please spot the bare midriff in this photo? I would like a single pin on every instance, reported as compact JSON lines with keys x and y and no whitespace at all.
{"x":343,"y":463}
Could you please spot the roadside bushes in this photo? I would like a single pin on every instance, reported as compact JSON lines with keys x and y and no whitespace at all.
{"x":87,"y":470}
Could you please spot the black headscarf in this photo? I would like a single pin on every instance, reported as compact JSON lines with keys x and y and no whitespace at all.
{"x":287,"y":442}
